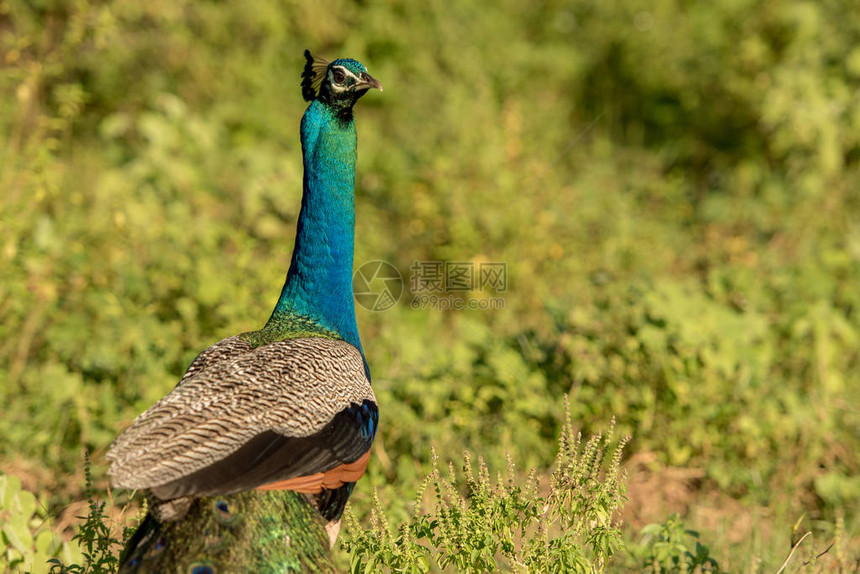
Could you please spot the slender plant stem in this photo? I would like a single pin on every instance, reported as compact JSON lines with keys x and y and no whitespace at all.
{"x":790,"y":554}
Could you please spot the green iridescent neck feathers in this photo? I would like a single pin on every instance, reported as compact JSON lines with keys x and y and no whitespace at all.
{"x":317,"y":294}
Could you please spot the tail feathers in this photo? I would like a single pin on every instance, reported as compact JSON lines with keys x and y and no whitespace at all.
{"x":246,"y":532}
{"x":139,"y":544}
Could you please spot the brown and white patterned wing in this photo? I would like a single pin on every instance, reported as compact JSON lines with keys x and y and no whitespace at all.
{"x":259,"y":417}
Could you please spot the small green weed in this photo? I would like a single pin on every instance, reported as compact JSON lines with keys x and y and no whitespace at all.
{"x":99,"y":549}
{"x":671,"y":547}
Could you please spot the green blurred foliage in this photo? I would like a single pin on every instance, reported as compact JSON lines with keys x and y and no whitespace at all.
{"x":672,"y":186}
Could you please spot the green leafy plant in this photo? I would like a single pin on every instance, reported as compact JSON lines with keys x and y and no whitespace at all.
{"x":478,"y":524}
{"x":26,"y":539}
{"x":671,"y":547}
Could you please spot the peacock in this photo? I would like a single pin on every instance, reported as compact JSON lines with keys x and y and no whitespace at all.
{"x":263,"y":421}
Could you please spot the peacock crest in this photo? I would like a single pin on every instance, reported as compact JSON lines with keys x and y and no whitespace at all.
{"x":313,"y":76}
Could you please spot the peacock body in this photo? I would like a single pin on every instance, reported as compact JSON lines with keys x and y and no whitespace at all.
{"x":262,"y":421}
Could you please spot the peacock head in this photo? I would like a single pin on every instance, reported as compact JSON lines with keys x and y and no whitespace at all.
{"x":338,"y":84}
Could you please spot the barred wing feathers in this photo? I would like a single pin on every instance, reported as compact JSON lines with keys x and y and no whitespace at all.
{"x":255,"y":417}
{"x":218,"y":353}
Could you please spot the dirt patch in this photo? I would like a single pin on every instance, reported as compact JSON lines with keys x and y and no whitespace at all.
{"x":655,"y":491}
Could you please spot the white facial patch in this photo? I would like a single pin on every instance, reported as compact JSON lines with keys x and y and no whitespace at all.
{"x":343,"y":85}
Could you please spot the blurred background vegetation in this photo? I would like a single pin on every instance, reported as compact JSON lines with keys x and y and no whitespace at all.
{"x":674,"y":187}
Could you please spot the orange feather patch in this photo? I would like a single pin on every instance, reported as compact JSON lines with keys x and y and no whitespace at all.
{"x":329,"y":480}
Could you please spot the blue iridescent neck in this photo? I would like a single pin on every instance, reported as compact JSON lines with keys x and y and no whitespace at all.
{"x":319,"y":281}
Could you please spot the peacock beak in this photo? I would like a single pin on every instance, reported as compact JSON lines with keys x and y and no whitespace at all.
{"x":367,"y":81}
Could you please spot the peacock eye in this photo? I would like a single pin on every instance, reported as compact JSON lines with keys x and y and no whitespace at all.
{"x":339,"y":76}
